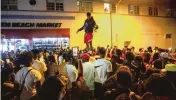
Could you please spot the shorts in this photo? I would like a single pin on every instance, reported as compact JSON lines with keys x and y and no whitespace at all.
{"x":88,"y":37}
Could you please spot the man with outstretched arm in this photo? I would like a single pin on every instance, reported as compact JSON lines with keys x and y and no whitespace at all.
{"x":89,"y":26}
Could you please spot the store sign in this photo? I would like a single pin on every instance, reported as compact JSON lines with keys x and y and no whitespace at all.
{"x":21,"y":24}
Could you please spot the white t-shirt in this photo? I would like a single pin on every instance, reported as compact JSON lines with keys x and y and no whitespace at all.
{"x":41,"y":67}
{"x":72,"y":73}
{"x":88,"y":74}
{"x":33,"y":76}
{"x":60,"y":60}
{"x":102,"y":67}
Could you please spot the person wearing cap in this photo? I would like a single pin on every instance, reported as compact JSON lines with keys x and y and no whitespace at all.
{"x":88,"y":75}
{"x":89,"y":26}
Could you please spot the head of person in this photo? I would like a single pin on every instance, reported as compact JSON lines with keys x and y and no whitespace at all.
{"x":158,"y":64}
{"x":158,"y":85}
{"x":26,"y":58}
{"x":68,"y":56}
{"x":156,"y":48}
{"x":156,"y":56}
{"x":132,"y":48}
{"x":147,"y":58}
{"x":52,"y":89}
{"x":119,"y":53}
{"x":150,"y":49}
{"x":138,"y":60}
{"x":52,"y":59}
{"x":124,"y":77}
{"x":88,"y":15}
{"x":85,"y":57}
{"x":129,"y":56}
{"x":123,"y":96}
{"x":35,"y":53}
{"x":102,"y":52}
{"x":141,"y":50}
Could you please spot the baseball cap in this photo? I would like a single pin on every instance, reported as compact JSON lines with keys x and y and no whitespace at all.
{"x":85,"y":56}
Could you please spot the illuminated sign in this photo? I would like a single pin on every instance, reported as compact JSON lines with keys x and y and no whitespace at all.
{"x":28,"y":24}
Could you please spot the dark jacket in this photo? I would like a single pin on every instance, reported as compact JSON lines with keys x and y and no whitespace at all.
{"x":89,"y":25}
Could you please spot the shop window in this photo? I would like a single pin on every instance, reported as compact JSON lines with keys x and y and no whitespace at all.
{"x":109,"y":8}
{"x":168,"y":12}
{"x":133,"y":10}
{"x":57,"y":5}
{"x":51,"y":43}
{"x":14,"y":44}
{"x":153,"y":11}
{"x":9,"y":5}
{"x":85,"y":6}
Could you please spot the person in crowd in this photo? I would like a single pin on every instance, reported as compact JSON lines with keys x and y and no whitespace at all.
{"x":160,"y":87}
{"x":147,"y":58}
{"x":139,"y":67}
{"x":88,"y":75}
{"x":129,"y":60}
{"x":52,"y":89}
{"x":155,"y":57}
{"x":156,"y":49}
{"x":70,"y":70}
{"x":89,"y":26}
{"x":141,"y":51}
{"x":29,"y":75}
{"x":119,"y":54}
{"x":60,"y":59}
{"x":157,"y":67}
{"x":116,"y":60}
{"x":103,"y":70}
{"x":171,"y":73}
{"x":41,"y":57}
{"x":120,"y":83}
{"x":149,"y":49}
{"x":158,"y":64}
{"x":38,"y":65}
{"x":52,"y":66}
{"x":113,"y":51}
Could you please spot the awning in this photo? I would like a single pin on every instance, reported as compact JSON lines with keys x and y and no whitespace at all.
{"x":35,"y":33}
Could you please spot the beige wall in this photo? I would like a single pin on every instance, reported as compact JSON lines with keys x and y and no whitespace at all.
{"x":140,"y":30}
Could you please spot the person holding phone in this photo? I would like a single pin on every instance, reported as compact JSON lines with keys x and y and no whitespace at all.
{"x":89,"y":26}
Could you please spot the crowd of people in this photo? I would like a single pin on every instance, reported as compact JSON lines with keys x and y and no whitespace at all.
{"x":103,"y":73}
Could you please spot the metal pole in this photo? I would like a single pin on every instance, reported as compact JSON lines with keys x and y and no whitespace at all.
{"x":111,"y":28}
{"x":111,"y":23}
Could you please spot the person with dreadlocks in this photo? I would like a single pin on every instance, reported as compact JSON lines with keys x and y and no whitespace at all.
{"x":89,"y":26}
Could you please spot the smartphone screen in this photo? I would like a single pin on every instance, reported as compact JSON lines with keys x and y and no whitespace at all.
{"x":75,"y":51}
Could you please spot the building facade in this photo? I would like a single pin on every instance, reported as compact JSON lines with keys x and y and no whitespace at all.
{"x":142,"y":23}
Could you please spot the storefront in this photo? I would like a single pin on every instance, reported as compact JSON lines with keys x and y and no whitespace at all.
{"x":27,"y":39}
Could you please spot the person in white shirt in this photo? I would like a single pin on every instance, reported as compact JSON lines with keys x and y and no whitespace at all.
{"x":88,"y":75}
{"x":103,"y":70}
{"x":60,"y":58}
{"x":32,"y":80}
{"x":39,"y":65}
{"x":70,"y":70}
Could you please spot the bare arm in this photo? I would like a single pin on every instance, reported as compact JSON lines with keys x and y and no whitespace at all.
{"x":81,"y":27}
